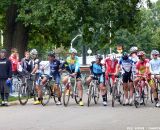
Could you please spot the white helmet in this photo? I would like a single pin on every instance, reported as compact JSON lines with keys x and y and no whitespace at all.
{"x":133,"y":49}
{"x":72,"y":50}
{"x":33,"y":52}
{"x":154,"y":52}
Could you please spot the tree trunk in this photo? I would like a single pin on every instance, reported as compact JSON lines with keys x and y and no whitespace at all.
{"x":15,"y":33}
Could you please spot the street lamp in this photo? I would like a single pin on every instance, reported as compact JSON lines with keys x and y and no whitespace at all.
{"x":79,"y":35}
{"x":89,"y":51}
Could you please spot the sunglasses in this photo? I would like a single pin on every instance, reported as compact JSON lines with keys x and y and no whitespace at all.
{"x":155,"y":55}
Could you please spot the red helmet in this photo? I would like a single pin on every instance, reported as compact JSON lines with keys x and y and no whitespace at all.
{"x":141,"y":53}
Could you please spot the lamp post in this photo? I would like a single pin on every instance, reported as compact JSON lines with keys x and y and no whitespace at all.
{"x":79,"y":35}
{"x":1,"y":37}
{"x":110,"y":35}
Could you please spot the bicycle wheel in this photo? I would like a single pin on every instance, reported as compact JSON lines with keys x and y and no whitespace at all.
{"x":76,"y":96}
{"x":46,"y":95}
{"x":145,"y":95}
{"x":137,"y":100}
{"x":66,"y":96}
{"x":96,"y":94}
{"x":55,"y":95}
{"x":89,"y":94}
{"x":151,"y":96}
{"x":113,"y":95}
{"x":23,"y":94}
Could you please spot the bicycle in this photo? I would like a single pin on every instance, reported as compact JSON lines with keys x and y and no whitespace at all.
{"x":141,"y":92}
{"x":71,"y":90}
{"x":48,"y":91}
{"x":27,"y":89}
{"x":93,"y":90}
{"x":117,"y":90}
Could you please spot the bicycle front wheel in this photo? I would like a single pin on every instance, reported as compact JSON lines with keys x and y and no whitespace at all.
{"x":23,"y":94}
{"x":55,"y":94}
{"x":66,"y":96}
{"x":96,"y":94}
{"x":46,"y":95}
{"x":89,"y":94}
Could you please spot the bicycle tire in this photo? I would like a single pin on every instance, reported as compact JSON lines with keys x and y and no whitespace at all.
{"x":23,"y":91}
{"x":76,"y":96}
{"x":89,"y":95}
{"x":66,"y":97}
{"x":46,"y":95}
{"x":55,"y":97}
{"x":96,"y":94}
{"x":113,"y":95}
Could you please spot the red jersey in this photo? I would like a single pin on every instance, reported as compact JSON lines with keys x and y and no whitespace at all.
{"x":14,"y":60}
{"x":110,"y":66}
{"x":142,"y":65}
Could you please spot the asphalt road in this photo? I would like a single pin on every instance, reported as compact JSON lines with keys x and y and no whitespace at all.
{"x":74,"y":117}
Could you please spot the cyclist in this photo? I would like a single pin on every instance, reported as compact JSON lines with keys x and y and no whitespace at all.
{"x":26,"y":63}
{"x":35,"y":70}
{"x":73,"y":67}
{"x":54,"y":67}
{"x":133,"y":54}
{"x":125,"y":64}
{"x":142,"y":68}
{"x":97,"y":71}
{"x":110,"y":67}
{"x":154,"y":66}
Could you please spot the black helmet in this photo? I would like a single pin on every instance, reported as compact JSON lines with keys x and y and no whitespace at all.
{"x":51,"y":54}
{"x":99,"y":56}
{"x":125,"y":56}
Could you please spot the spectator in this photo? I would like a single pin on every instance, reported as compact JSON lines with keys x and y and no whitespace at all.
{"x":5,"y":77}
{"x":14,"y":58}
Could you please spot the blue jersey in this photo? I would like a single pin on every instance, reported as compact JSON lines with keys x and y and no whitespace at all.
{"x":54,"y":67}
{"x":96,"y":69}
{"x":126,"y":65}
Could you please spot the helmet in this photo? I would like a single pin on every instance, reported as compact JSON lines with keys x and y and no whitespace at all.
{"x":51,"y":53}
{"x":72,"y":50}
{"x":33,"y":52}
{"x":99,"y":56}
{"x":155,"y":52}
{"x":141,"y":53}
{"x":125,"y":56}
{"x":133,"y":49}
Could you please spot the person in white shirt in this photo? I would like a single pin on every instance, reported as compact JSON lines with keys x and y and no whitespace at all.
{"x":154,"y":66}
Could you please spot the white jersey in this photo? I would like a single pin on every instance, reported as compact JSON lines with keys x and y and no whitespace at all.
{"x":154,"y":66}
{"x":44,"y":67}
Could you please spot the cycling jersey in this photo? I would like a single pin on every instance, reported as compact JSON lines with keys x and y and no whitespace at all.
{"x":73,"y":64}
{"x":54,"y":66}
{"x":142,"y":65}
{"x":154,"y":66}
{"x":96,"y":70}
{"x":126,"y":65}
{"x":27,"y":65}
{"x":111,"y":65}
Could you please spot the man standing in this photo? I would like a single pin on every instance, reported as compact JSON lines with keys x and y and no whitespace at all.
{"x":5,"y":77}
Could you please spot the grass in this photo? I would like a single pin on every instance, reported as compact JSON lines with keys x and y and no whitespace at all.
{"x":11,"y":98}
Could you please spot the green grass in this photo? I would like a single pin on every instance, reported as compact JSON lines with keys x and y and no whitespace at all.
{"x":11,"y":98}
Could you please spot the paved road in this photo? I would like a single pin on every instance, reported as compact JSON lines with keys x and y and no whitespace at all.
{"x":73,"y":117}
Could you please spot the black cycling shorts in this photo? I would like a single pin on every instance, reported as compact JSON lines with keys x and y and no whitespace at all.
{"x":127,"y":77}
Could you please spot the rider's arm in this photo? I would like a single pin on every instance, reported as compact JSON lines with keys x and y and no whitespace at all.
{"x":77,"y":65}
{"x":150,"y":67}
{"x":34,"y":69}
